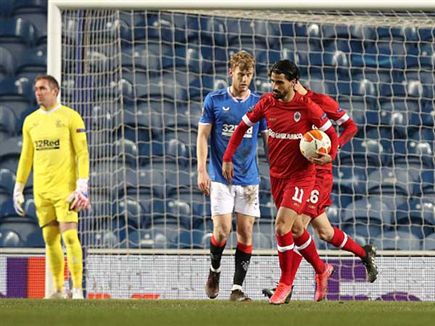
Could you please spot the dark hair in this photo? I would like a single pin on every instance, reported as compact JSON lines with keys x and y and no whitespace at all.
{"x":51,"y":80}
{"x":286,"y":67}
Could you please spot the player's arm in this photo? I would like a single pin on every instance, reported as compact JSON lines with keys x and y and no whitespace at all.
{"x":349,"y":130}
{"x":79,"y":198}
{"x":204,"y":131}
{"x":23,"y":170}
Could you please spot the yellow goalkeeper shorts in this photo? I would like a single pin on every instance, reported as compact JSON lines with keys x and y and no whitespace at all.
{"x":53,"y":207}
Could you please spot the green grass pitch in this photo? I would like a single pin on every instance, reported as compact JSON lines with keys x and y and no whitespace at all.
{"x":208,"y":312}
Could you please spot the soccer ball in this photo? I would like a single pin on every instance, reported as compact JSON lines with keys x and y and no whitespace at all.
{"x":313,"y":142}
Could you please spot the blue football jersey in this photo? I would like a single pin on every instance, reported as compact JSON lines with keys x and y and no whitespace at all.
{"x":224,"y":112}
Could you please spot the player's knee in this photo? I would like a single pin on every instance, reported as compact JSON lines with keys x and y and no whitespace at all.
{"x":298,"y":230}
{"x":325,"y":234}
{"x":51,"y":235}
{"x":281,"y":227}
{"x":70,"y":237}
{"x":221,"y":232}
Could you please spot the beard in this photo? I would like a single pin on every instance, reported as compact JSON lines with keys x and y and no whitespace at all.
{"x":278,"y":95}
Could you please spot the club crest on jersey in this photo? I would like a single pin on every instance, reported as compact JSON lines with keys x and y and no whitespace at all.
{"x":226,"y":108}
{"x":297,"y":116}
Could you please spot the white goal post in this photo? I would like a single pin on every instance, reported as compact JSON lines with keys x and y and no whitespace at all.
{"x":138,"y":71}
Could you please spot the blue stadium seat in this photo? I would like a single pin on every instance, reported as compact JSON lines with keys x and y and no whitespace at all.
{"x":368,"y":152}
{"x":416,"y":216}
{"x":213,"y":31}
{"x":10,"y":239}
{"x":7,"y":182}
{"x":199,"y":204}
{"x":35,"y":240}
{"x":20,"y":6}
{"x":426,"y":55}
{"x":5,"y":8}
{"x":22,"y":226}
{"x":160,"y":28}
{"x":8,"y":123}
{"x":32,"y":60}
{"x":151,"y":57}
{"x":178,"y":179}
{"x":165,"y":235}
{"x":16,"y":34}
{"x":193,"y":59}
{"x":29,"y":208}
{"x":126,"y":151}
{"x":397,"y":180}
{"x":38,"y":20}
{"x":131,"y":211}
{"x":186,"y":27}
{"x":10,"y":151}
{"x":398,"y":240}
{"x":151,"y":180}
{"x":180,"y":211}
{"x":350,"y":179}
{"x":369,"y":213}
{"x":177,"y":151}
{"x":18,"y":94}
{"x":428,"y":243}
{"x":7,"y":63}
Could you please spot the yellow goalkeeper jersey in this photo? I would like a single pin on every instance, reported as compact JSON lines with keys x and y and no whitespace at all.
{"x":54,"y":142}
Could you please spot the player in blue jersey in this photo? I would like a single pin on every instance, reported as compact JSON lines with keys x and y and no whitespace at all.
{"x":223,"y":109}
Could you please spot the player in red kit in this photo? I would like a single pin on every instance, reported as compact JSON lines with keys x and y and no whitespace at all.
{"x":319,"y":199}
{"x":289,"y":115}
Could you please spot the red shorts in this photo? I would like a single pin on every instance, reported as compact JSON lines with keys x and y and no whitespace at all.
{"x":319,"y":198}
{"x":292,"y":193}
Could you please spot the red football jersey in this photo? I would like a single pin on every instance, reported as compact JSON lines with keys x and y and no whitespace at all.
{"x":287,"y":122}
{"x":330,"y":106}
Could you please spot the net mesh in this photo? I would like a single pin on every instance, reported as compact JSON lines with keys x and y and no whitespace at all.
{"x":139,"y":78}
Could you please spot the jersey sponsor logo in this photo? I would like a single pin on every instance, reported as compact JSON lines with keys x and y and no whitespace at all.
{"x":282,"y":135}
{"x":59,"y":124}
{"x":297,"y":116}
{"x":46,"y":144}
{"x":228,"y":130}
{"x":226,"y":108}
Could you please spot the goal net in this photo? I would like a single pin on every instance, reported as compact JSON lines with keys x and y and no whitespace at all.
{"x":138,"y":77}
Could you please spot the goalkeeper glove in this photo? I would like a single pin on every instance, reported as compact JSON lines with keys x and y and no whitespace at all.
{"x":19,"y":198}
{"x":79,"y":200}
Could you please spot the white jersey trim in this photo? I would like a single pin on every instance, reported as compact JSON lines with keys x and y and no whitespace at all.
{"x":326,"y":126}
{"x":247,"y":121}
{"x":235,"y":98}
{"x":342,"y":120}
{"x":57,"y":107}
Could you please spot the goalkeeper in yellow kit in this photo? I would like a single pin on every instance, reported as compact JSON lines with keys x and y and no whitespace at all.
{"x":54,"y":143}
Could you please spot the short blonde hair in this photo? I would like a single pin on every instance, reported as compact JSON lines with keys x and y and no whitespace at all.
{"x":243,"y":60}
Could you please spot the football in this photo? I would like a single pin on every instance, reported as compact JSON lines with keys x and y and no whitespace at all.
{"x":313,"y":142}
